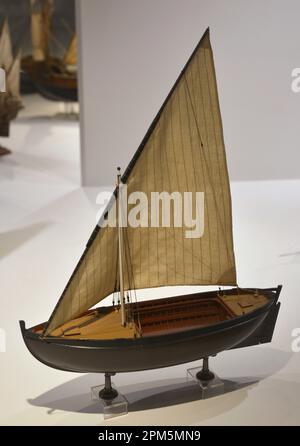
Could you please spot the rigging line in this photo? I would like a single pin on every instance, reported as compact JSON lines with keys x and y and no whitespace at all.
{"x":116,"y":270}
{"x":67,"y":26}
{"x":204,"y":157}
{"x":55,"y":40}
{"x":128,"y":252}
{"x":133,"y":287}
{"x":105,"y":250}
{"x":127,"y":259}
{"x":125,"y":236}
{"x":130,"y":270}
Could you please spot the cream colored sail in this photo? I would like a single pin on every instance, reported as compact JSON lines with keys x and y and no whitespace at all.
{"x":182,"y":151}
{"x":71,"y":53}
{"x":6,"y":55}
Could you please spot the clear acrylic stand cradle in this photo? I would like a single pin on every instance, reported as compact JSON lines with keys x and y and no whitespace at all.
{"x":113,"y":403}
{"x":209,"y":383}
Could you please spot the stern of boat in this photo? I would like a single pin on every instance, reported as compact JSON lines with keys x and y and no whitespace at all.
{"x":264,"y":333}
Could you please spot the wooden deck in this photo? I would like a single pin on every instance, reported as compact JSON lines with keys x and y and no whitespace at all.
{"x":160,"y":316}
{"x":96,"y":325}
{"x":244,"y":303}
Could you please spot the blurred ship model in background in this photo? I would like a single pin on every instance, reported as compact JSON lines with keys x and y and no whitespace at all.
{"x":10,"y":101}
{"x":54,"y":78}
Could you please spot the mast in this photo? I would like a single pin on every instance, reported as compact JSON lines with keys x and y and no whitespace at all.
{"x":120,"y":246}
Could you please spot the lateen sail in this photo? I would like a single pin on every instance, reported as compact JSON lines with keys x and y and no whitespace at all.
{"x":183,"y":150}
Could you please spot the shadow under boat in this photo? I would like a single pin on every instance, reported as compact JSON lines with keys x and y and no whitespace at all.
{"x":165,"y":393}
{"x":156,"y":351}
{"x":73,"y":395}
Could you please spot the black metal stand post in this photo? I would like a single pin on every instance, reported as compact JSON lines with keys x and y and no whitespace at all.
{"x":108,"y":393}
{"x":205,"y":374}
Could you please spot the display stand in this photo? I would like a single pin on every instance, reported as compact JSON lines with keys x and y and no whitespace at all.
{"x":113,"y":403}
{"x":209,"y":383}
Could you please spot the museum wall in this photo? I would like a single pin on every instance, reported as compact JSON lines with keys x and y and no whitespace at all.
{"x":132,"y":51}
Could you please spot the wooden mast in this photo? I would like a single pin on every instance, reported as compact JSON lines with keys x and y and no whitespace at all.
{"x":120,"y":245}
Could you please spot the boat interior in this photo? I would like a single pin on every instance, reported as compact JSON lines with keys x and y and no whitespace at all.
{"x":161,"y":316}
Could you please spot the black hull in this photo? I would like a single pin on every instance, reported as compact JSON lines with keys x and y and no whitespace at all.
{"x":127,"y":355}
{"x":49,"y":80}
{"x":54,"y":93}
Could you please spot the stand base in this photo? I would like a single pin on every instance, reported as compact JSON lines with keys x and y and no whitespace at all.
{"x":205,"y":375}
{"x":210,"y":386}
{"x":111,"y":407}
{"x":108,"y":394}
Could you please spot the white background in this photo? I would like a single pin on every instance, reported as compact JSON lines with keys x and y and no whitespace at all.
{"x":133,"y":50}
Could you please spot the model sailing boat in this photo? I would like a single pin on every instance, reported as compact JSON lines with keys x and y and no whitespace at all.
{"x":54,"y":78}
{"x":183,"y":150}
{"x":10,"y":101}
